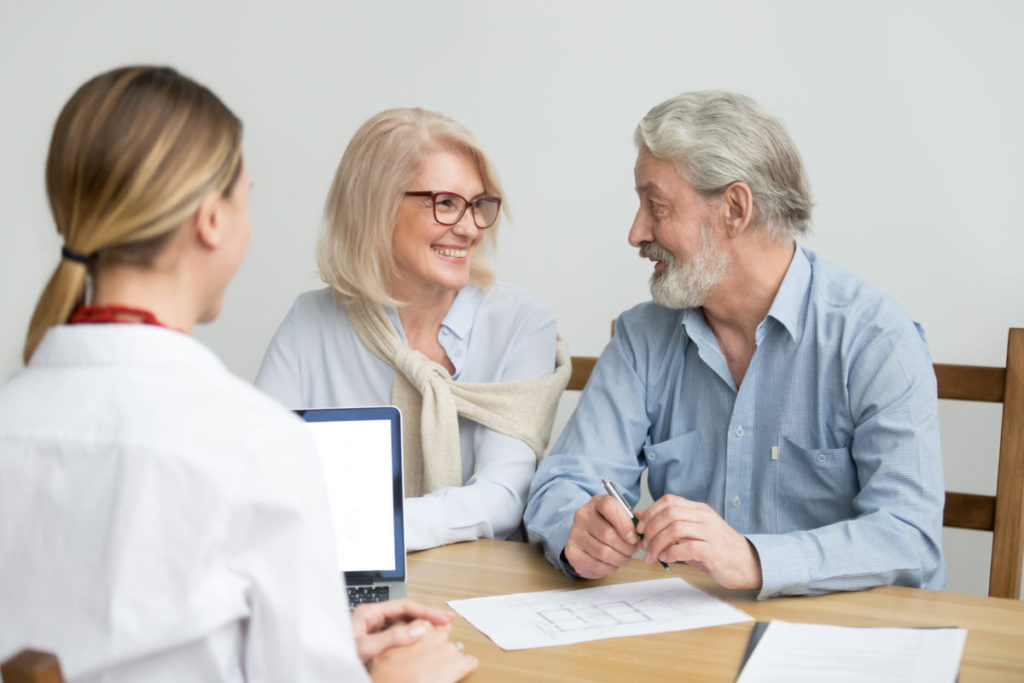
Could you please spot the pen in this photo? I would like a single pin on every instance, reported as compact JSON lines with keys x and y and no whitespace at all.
{"x":613,"y":491}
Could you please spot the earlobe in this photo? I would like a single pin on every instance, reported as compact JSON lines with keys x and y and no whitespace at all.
{"x":208,"y":221}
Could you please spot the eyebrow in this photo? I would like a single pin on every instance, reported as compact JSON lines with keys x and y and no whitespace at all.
{"x":649,"y":188}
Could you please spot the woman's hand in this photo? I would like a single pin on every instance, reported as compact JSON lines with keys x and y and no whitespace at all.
{"x":431,"y":659}
{"x":378,"y":626}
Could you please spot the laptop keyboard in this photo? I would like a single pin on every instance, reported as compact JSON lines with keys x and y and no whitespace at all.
{"x":360,"y":594}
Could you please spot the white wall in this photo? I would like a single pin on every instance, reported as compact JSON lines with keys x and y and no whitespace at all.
{"x":908,"y":115}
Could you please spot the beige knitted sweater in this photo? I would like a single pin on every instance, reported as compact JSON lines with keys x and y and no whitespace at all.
{"x":431,"y":401}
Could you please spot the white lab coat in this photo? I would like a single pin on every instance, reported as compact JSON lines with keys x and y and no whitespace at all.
{"x":162,"y":520}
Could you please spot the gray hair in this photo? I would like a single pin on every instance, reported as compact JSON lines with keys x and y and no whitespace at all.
{"x":716,"y":138}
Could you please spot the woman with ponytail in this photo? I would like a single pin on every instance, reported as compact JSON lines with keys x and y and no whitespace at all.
{"x":160,"y":519}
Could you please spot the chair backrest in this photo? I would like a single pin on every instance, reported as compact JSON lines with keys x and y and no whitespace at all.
{"x":31,"y":666}
{"x":582,"y":366}
{"x":1003,"y":513}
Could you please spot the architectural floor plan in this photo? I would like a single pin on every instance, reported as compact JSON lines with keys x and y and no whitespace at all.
{"x":560,"y":617}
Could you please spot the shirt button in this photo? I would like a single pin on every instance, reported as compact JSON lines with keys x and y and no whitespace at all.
{"x":821,"y":457}
{"x":739,"y":431}
{"x":736,"y":502}
{"x":652,"y":456}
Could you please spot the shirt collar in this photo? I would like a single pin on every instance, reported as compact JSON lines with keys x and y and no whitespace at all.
{"x":790,"y":304}
{"x":695,"y":325}
{"x":455,"y":326}
{"x":788,"y":307}
{"x":105,"y":344}
{"x":459,"y":319}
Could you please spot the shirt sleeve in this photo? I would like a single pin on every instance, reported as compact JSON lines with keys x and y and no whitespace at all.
{"x":490,"y":503}
{"x":896,"y":536}
{"x":280,"y":373}
{"x":603,"y":438}
{"x":281,"y":545}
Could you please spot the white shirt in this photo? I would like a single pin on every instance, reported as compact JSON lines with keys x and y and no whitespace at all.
{"x":160,"y":520}
{"x":316,"y":360}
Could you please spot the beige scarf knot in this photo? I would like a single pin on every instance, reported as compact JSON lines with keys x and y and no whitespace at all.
{"x":419,"y":370}
{"x":431,"y":401}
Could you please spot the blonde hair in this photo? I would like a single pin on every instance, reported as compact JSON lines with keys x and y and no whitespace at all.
{"x":133,"y":153}
{"x":384,"y":156}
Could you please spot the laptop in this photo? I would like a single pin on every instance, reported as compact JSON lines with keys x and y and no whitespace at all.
{"x":361,"y":454}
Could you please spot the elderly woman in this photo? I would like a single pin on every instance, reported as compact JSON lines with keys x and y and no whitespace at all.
{"x":412,"y":316}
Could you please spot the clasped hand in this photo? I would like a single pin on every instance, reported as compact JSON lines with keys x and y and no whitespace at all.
{"x":602,"y":539}
{"x":401,"y":640}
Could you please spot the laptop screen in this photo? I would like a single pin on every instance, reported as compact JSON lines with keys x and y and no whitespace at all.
{"x":361,"y":456}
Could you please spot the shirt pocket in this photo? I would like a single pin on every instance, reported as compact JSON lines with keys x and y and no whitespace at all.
{"x":816,"y":486}
{"x":678,"y":466}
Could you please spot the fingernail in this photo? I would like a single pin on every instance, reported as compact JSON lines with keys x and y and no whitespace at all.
{"x":416,"y":631}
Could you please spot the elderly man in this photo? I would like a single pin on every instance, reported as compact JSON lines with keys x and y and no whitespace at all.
{"x":785,"y":410}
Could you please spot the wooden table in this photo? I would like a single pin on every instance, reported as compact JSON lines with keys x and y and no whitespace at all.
{"x":994,"y":649}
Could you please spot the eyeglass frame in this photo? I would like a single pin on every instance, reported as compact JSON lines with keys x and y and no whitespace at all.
{"x":467,"y":205}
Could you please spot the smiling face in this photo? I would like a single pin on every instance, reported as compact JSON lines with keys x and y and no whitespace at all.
{"x":433,"y":259}
{"x":674,"y":228}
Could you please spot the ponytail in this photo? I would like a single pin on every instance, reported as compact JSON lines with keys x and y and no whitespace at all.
{"x":133,"y":153}
{"x":63,"y":294}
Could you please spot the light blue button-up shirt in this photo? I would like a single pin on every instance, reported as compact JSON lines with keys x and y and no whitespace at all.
{"x":826,"y":457}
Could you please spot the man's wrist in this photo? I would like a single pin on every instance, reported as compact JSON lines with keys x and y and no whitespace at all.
{"x":567,"y":566}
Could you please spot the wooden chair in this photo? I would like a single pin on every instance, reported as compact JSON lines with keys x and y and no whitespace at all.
{"x":1003,"y":513}
{"x":31,"y":666}
{"x":582,"y":366}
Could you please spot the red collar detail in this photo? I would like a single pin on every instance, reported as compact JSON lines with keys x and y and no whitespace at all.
{"x":114,"y":314}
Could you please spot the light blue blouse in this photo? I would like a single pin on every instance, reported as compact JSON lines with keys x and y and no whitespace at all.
{"x":501,"y":333}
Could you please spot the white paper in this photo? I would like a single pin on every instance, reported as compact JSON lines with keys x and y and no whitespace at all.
{"x":560,"y":617}
{"x":793,"y":653}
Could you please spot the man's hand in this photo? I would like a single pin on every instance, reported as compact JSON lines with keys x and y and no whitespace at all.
{"x":378,"y":626}
{"x":601,"y":539}
{"x":679,"y":530}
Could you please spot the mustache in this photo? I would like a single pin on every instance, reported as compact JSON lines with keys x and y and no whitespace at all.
{"x":657,"y":252}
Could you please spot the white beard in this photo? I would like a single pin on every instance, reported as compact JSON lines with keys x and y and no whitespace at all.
{"x":687,"y":285}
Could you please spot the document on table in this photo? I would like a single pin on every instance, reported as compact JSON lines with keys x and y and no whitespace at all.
{"x":794,"y":653}
{"x":561,"y":617}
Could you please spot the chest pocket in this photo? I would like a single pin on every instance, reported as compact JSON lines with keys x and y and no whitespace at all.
{"x":679,"y":466}
{"x":816,"y":485}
